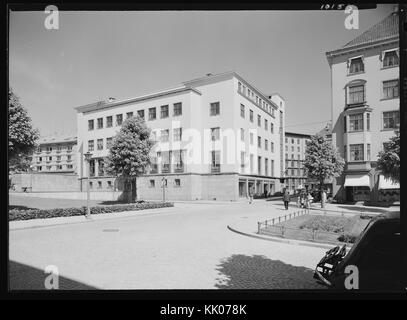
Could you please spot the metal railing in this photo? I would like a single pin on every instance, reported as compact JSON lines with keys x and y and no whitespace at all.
{"x":271,"y":222}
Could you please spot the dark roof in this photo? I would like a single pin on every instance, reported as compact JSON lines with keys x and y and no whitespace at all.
{"x":288,"y":133}
{"x":387,"y":28}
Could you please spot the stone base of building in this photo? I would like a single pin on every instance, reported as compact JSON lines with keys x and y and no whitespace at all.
{"x":190,"y":186}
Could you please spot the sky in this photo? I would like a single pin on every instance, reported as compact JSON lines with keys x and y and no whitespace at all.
{"x":96,"y":55}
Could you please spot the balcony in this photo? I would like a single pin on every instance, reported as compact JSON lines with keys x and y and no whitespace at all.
{"x":358,"y":166}
{"x":215,"y":168}
{"x":179,"y":168}
{"x":166,"y":168}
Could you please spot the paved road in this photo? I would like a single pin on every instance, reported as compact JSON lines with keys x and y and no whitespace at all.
{"x":185,"y":247}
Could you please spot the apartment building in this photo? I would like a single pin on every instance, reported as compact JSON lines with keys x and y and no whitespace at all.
{"x":55,"y":154}
{"x":217,"y":137}
{"x":365,"y":109}
{"x":295,"y":145}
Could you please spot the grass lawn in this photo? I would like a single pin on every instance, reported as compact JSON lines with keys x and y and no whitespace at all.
{"x":321,"y":228}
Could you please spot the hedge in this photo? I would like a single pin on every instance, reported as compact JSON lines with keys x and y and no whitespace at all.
{"x":16,"y":214}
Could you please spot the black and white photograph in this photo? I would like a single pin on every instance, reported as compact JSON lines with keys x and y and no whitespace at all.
{"x":207,"y":149}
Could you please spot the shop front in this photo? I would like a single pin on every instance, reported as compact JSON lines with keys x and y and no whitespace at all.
{"x":357,"y":187}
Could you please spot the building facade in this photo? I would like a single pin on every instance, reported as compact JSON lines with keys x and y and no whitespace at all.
{"x":365,"y":109}
{"x":295,"y":145}
{"x":55,"y":155}
{"x":217,"y":137}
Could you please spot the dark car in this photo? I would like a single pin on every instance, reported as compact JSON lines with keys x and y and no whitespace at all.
{"x":376,"y":253}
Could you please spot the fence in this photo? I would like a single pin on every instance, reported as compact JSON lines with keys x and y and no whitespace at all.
{"x":274,"y":227}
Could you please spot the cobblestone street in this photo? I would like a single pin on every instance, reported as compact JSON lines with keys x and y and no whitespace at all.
{"x":185,"y":247}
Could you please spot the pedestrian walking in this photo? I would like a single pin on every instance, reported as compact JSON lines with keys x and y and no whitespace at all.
{"x":250,"y":195}
{"x":286,"y":198}
{"x":309,"y":199}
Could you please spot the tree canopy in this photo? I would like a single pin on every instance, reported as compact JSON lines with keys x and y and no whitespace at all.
{"x":322,"y":161}
{"x":22,"y":136}
{"x":129,"y":153}
{"x":389,"y":159}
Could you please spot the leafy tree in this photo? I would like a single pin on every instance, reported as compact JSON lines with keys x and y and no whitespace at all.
{"x":389,"y":160}
{"x":21,"y":135}
{"x":322,"y":161}
{"x":129,"y":153}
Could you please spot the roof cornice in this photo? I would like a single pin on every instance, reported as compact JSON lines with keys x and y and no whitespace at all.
{"x":104,"y":104}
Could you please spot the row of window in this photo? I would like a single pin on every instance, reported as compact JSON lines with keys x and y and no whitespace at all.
{"x":356,"y":91}
{"x":292,"y":156}
{"x":259,"y":123}
{"x":57,"y":158}
{"x":249,"y":93}
{"x":57,"y":148}
{"x":99,"y":144}
{"x":109,"y":184}
{"x":293,"y":140}
{"x":389,"y":59}
{"x":292,"y":148}
{"x":152,"y":115}
{"x":296,"y":172}
{"x":53,"y":168}
{"x":391,"y":121}
{"x":176,"y":183}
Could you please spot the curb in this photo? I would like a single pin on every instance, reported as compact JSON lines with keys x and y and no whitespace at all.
{"x":281,"y":240}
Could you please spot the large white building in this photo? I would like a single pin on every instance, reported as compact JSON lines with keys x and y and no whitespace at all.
{"x":217,"y":137}
{"x":365,"y":109}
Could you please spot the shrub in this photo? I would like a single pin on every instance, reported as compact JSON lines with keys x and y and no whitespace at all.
{"x":16,"y":214}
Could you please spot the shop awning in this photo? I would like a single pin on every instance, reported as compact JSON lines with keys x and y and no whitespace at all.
{"x":357,"y":180}
{"x":387,"y":183}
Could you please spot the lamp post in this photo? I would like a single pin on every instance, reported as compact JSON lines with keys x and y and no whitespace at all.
{"x":164,"y":184}
{"x":88,"y":156}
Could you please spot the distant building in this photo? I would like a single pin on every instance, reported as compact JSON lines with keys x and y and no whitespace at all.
{"x":365,"y":109}
{"x":237,"y":132}
{"x":55,"y":155}
{"x":295,"y":145}
{"x":326,"y":132}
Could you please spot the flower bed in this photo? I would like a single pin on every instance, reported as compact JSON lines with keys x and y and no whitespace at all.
{"x":16,"y":214}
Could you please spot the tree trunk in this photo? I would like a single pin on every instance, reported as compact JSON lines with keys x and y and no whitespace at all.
{"x":321,"y":184}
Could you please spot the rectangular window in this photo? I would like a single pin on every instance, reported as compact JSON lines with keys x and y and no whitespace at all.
{"x":391,"y":120}
{"x":165,"y":135}
{"x":100,"y":123}
{"x":177,"y":134}
{"x":259,"y":165}
{"x":101,"y":168}
{"x":177,"y":109}
{"x":390,"y":89}
{"x":266,"y":167}
{"x":100,"y":144}
{"x":165,"y":162}
{"x":271,"y":127}
{"x":129,"y":115}
{"x":344,"y":123}
{"x":178,"y":160}
{"x":119,"y":119}
{"x":356,"y":152}
{"x":242,"y":159}
{"x":109,"y":122}
{"x":164,"y":112}
{"x":266,"y":125}
{"x":91,"y":144}
{"x":390,"y":59}
{"x":109,"y":142}
{"x":69,"y":166}
{"x":109,"y":184}
{"x":214,"y":109}
{"x":368,"y":121}
{"x":345,"y":152}
{"x":99,"y":184}
{"x":356,"y":65}
{"x":242,"y":110}
{"x":152,"y":115}
{"x":368,"y":152}
{"x":266,"y":144}
{"x":251,"y":163}
{"x":356,"y":94}
{"x":152,"y":183}
{"x":356,"y":122}
{"x":215,"y":134}
{"x":251,"y":138}
{"x":251,"y":116}
{"x":242,"y":134}
{"x":298,"y":149}
{"x":272,"y":168}
{"x":177,"y":183}
{"x":259,"y":120}
{"x":91,"y":125}
{"x":272,"y":146}
{"x":140,"y":114}
{"x":259,"y":142}
{"x":215,"y":161}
